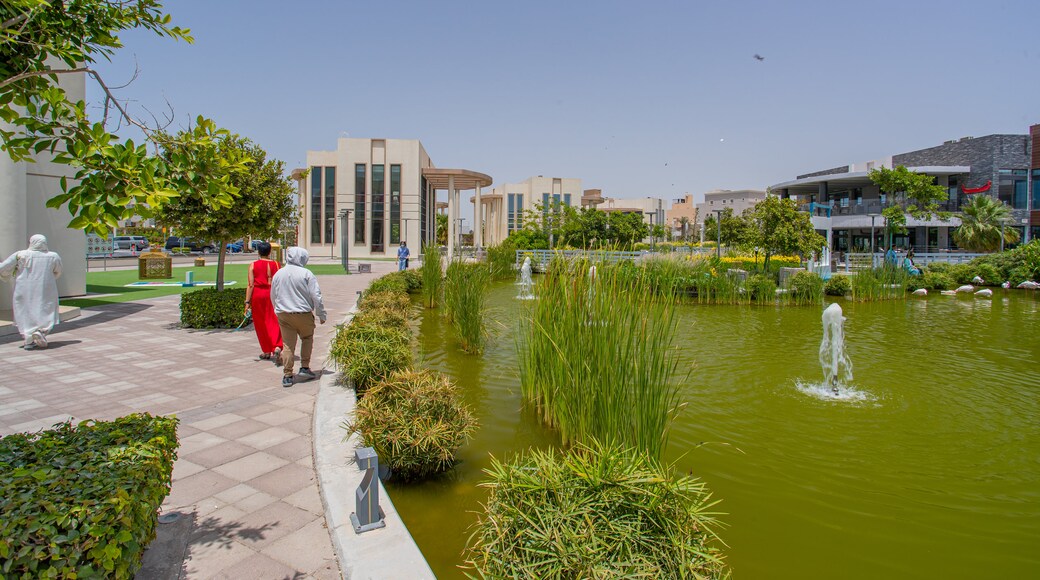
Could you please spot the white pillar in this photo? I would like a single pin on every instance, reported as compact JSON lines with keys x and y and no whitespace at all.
{"x":478,"y":219}
{"x":452,"y":207}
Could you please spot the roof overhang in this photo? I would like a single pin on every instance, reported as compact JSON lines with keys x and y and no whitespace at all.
{"x":839,"y":181}
{"x":464,"y":179}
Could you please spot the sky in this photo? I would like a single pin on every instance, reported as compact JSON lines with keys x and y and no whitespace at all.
{"x":638,"y":99}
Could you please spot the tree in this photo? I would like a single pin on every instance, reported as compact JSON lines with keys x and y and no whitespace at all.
{"x":263,"y":200}
{"x":734,"y":228}
{"x":626,"y":229}
{"x":442,"y":229}
{"x":779,"y":228}
{"x":41,"y":40}
{"x":584,"y":228}
{"x":981,"y":222}
{"x":922,"y":195}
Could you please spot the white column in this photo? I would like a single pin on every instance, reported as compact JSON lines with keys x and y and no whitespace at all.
{"x":478,"y":219}
{"x":452,"y":207}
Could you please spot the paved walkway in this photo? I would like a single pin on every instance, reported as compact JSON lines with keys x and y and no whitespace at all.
{"x":245,"y":461}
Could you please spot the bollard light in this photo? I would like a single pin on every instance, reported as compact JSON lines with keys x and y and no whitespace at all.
{"x":368,"y":515}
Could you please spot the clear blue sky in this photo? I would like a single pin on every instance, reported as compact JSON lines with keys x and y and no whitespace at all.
{"x":638,"y":99}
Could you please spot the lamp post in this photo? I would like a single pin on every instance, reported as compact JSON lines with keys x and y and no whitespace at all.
{"x":653,"y":238}
{"x":872,"y":216}
{"x":718,"y":226}
{"x":344,"y":219}
{"x":1003,"y":222}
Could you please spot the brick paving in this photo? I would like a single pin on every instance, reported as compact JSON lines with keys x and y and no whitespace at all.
{"x":245,"y":460}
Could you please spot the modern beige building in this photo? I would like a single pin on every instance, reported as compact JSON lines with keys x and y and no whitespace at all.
{"x":503,"y":209}
{"x":369,"y":195}
{"x":24,"y":191}
{"x":682,"y":208}
{"x":651,"y":208}
{"x":720,"y":199}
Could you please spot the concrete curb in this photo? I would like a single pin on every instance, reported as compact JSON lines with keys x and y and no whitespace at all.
{"x":388,"y":552}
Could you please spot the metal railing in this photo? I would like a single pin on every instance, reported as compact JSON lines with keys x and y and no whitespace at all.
{"x":540,"y":258}
{"x":862,"y":261}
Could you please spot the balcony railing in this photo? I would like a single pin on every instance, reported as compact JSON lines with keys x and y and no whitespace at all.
{"x":830,"y":209}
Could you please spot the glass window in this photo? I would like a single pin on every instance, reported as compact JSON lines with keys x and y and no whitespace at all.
{"x":395,"y":204}
{"x":316,"y":205}
{"x":330,"y":205}
{"x":378,"y":206}
{"x":1020,"y":196}
{"x":359,"y":203}
{"x":1036,"y":189}
{"x":422,"y":210}
{"x":511,"y":214}
{"x":567,"y":199}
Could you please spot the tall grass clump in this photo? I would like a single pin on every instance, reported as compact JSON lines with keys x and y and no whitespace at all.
{"x":597,"y":358}
{"x":431,"y":274}
{"x":602,"y":511}
{"x":416,"y":421}
{"x":761,"y":288}
{"x":805,"y":288}
{"x":884,"y":283}
{"x":465,"y":298}
{"x":501,"y":261}
{"x":377,"y":341}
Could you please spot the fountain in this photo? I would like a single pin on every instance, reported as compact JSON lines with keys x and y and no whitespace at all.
{"x":837,"y":369}
{"x":526,"y":283}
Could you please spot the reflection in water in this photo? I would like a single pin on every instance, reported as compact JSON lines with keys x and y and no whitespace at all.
{"x":927,"y":467}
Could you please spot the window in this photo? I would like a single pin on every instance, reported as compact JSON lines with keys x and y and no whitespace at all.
{"x":316,"y":205}
{"x":422,"y":210}
{"x":1013,"y":188}
{"x":1019,"y":199}
{"x":567,"y":199}
{"x":395,"y":204}
{"x":378,"y":206}
{"x":330,"y":205}
{"x":359,"y":203}
{"x":1036,"y":189}
{"x":515,"y":217}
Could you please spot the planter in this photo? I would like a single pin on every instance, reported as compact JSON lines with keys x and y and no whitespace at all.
{"x":200,"y":261}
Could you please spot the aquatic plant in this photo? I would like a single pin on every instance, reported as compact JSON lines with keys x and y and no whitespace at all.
{"x":501,"y":261}
{"x":416,"y":421}
{"x":431,"y":275}
{"x":805,"y":288}
{"x":465,"y":298}
{"x":597,"y":357}
{"x":596,"y":511}
{"x":838,"y":285}
{"x":761,"y":288}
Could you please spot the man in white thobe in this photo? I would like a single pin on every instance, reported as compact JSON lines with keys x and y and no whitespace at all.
{"x":35,"y":272}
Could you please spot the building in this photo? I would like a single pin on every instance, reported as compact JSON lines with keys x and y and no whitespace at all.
{"x":651,"y":208}
{"x":740,"y":200}
{"x":379,"y":192}
{"x":682,"y":208}
{"x":847,"y":206}
{"x":24,"y":191}
{"x":503,"y":209}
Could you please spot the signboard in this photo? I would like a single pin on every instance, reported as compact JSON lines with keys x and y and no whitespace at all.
{"x":98,"y":246}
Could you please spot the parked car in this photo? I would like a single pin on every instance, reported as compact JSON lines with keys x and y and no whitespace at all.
{"x":235,"y":247}
{"x":254,"y":243}
{"x":190,"y":244}
{"x":136,"y":243}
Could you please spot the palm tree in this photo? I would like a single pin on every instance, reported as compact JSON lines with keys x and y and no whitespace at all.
{"x":981,"y":222}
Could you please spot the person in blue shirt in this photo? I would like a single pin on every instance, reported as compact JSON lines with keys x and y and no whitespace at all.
{"x":402,"y":256}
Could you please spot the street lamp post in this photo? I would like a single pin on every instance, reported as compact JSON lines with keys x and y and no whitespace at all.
{"x":344,"y":219}
{"x":718,"y":226}
{"x":653,"y":238}
{"x":872,"y":216}
{"x":1003,"y":222}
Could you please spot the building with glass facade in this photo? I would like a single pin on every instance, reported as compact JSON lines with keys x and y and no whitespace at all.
{"x":503,"y":209}
{"x":843,"y":199}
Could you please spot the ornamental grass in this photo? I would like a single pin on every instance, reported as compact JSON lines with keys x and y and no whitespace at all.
{"x":416,"y":421}
{"x":465,"y":303}
{"x":884,"y":283}
{"x":597,"y":357}
{"x":597,"y":511}
{"x":432,"y":276}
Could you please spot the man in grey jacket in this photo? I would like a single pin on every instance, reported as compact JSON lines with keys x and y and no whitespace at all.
{"x":297,"y":298}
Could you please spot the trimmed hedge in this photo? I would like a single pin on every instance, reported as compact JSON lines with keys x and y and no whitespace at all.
{"x":416,"y":421}
{"x":208,"y":308}
{"x":82,"y":500}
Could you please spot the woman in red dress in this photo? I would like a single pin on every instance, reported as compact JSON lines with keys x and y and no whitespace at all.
{"x":258,"y":299}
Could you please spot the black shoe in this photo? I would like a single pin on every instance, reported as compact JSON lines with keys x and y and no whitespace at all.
{"x":307,"y":373}
{"x":287,"y":382}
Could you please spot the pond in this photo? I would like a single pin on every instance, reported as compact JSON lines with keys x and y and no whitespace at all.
{"x":931,"y":470}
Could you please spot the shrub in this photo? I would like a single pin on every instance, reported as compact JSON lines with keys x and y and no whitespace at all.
{"x":367,"y":351}
{"x":501,"y":260}
{"x":432,"y":276}
{"x":961,"y":273}
{"x":208,"y":308}
{"x":416,"y":421}
{"x":933,"y":281}
{"x":989,"y":273}
{"x":593,"y":512}
{"x":838,"y":285}
{"x":805,"y":288}
{"x":82,"y":500}
{"x":761,"y":287}
{"x":388,"y":283}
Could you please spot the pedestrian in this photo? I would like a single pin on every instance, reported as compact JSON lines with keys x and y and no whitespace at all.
{"x":402,"y":256}
{"x":297,"y":298}
{"x":35,"y":272}
{"x":258,"y":301}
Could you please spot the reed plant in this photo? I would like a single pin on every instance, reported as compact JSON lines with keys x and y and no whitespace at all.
{"x":761,"y":288}
{"x":465,"y":303}
{"x":416,"y":421}
{"x":804,"y":288}
{"x":601,"y":511}
{"x":884,"y":283}
{"x":501,"y":261}
{"x":597,"y":357}
{"x":431,"y":274}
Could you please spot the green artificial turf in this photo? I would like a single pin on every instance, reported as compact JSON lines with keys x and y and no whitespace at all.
{"x":112,"y":285}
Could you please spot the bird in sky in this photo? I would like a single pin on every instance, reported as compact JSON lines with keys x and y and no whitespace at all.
{"x":759,"y":57}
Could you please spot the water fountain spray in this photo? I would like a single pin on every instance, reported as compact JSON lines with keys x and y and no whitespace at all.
{"x":837,"y":368}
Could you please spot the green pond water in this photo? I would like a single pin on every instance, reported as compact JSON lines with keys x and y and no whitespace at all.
{"x":928,"y":468}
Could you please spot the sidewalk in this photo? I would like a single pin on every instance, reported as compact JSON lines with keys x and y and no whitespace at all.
{"x":245,"y":461}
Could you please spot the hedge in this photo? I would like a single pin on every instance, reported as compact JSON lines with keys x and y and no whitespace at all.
{"x":208,"y":308}
{"x":81,"y":501}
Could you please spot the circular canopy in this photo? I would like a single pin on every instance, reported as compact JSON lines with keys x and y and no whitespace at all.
{"x":464,"y":178}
